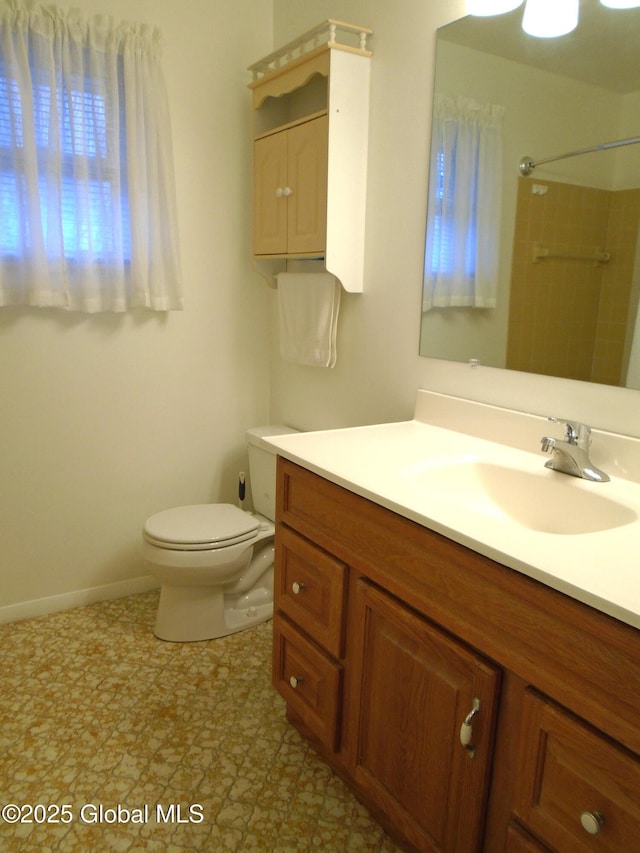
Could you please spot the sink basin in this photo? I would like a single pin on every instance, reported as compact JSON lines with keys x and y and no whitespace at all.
{"x":538,"y":500}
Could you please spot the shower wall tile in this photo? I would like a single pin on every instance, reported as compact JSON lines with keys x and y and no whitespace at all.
{"x":569,"y":317}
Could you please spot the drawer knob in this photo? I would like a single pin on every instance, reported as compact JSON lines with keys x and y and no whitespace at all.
{"x":592,"y":822}
{"x":294,"y":682}
{"x":298,"y":587}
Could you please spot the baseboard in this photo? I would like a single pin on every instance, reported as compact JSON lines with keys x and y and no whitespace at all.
{"x":77,"y":598}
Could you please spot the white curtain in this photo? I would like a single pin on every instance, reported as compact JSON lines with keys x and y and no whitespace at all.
{"x":87,"y":193}
{"x":465,"y":189}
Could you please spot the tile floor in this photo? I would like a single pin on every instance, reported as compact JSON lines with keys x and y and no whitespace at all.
{"x":95,"y":712}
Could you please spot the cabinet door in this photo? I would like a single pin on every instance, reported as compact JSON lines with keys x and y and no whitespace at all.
{"x":307,"y":179}
{"x":577,"y":790}
{"x":417,"y":686}
{"x":270,"y":202}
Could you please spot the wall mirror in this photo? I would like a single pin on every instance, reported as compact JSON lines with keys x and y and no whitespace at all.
{"x":568,"y":266}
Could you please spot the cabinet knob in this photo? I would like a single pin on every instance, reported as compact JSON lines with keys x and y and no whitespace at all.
{"x":298,"y":587}
{"x":294,"y":682}
{"x":592,"y":822}
{"x":287,"y":191}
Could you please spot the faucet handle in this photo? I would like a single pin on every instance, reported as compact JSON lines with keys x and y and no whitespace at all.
{"x":547,"y":443}
{"x":576,"y":432}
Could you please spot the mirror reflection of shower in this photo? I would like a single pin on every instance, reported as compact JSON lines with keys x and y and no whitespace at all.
{"x":572,"y":293}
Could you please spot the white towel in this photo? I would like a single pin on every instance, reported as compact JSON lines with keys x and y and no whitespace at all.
{"x":308,"y":305}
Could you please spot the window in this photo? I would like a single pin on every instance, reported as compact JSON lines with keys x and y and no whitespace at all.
{"x":88,"y":221}
{"x":461,"y":256}
{"x":82,"y":119}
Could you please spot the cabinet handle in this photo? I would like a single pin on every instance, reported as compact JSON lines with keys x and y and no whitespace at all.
{"x":466,"y":729}
{"x":287,"y":191}
{"x":298,"y":587}
{"x":592,"y":822}
{"x":294,"y":682}
{"x":279,"y":192}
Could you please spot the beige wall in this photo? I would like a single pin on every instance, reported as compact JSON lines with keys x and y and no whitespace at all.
{"x":107,"y":419}
{"x":378,"y":369}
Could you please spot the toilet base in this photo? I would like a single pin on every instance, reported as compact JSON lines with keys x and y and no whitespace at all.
{"x":188,"y":614}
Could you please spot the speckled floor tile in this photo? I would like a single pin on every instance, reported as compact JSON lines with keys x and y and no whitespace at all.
{"x":112,"y":740}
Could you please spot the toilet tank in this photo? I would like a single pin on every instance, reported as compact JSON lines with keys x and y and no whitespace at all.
{"x":262,"y":468}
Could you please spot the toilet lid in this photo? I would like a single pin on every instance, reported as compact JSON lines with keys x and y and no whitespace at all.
{"x":200,"y":527}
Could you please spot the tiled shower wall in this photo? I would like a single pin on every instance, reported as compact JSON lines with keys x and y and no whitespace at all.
{"x":570,"y":316}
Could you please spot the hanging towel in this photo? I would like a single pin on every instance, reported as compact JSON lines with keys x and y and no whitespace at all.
{"x":308,"y":305}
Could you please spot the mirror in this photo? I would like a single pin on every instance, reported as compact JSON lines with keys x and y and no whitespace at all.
{"x":568,"y":282}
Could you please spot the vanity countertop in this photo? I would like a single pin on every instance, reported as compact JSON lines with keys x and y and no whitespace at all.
{"x":392,"y":464}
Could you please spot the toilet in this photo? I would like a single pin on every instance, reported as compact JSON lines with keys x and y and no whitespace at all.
{"x":215,"y":561}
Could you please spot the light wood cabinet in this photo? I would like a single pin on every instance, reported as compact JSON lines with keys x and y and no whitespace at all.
{"x":310,"y":130}
{"x":270,"y":206}
{"x":402,"y":631}
{"x":290,"y":190}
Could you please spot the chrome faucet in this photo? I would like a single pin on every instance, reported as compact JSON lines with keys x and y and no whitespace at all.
{"x":571,"y":454}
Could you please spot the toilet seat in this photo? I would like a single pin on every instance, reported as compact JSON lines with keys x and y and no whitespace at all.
{"x":200,"y":527}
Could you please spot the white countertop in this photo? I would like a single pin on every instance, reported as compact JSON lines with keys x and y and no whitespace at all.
{"x":385,"y":463}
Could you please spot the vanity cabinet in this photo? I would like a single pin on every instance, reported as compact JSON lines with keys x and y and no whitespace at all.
{"x":389,"y":638}
{"x":310,"y":131}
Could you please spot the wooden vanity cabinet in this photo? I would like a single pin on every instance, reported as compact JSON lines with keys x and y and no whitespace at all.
{"x":403,"y":633}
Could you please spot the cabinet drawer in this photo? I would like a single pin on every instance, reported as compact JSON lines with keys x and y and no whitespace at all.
{"x":309,"y":681}
{"x":570,"y":774}
{"x":310,"y":588}
{"x":520,"y":842}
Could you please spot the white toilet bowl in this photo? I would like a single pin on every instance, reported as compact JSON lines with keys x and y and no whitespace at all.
{"x":215,"y":561}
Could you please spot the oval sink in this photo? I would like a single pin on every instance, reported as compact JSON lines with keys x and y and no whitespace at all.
{"x":543,"y":500}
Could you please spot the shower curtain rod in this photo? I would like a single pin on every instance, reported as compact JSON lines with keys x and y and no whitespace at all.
{"x":527,"y":164}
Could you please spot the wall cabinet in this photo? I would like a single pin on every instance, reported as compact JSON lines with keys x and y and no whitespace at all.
{"x":469,"y":707}
{"x":310,"y":129}
{"x":290,"y":190}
